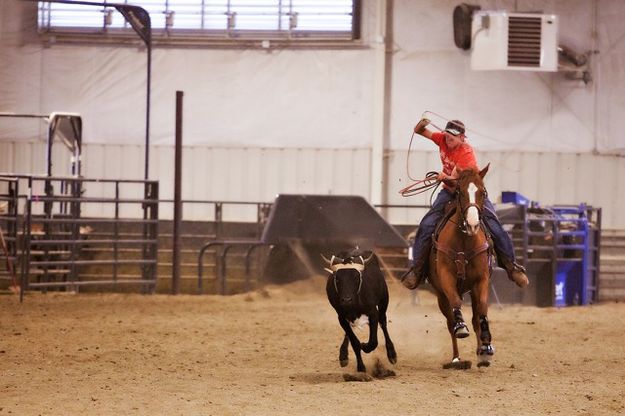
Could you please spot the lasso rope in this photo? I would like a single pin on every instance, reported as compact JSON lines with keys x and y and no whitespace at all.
{"x":437,"y":115}
{"x":430,"y":181}
{"x":422,"y":185}
{"x":410,"y":146}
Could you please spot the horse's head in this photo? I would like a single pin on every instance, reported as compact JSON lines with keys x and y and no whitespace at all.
{"x":471,"y":195}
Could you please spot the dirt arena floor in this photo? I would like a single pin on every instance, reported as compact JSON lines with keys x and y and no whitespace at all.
{"x":275,"y":352}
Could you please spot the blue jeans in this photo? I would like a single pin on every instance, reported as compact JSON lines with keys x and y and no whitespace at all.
{"x":501,"y":239}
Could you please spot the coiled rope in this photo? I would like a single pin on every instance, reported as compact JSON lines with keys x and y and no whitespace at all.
{"x":430,"y":181}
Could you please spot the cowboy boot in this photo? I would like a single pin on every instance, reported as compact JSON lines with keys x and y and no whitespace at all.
{"x":516,"y":273}
{"x":417,"y":273}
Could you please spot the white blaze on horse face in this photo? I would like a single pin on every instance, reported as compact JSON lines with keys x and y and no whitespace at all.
{"x":473,"y":216}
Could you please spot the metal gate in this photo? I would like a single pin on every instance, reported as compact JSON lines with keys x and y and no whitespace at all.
{"x":59,"y":247}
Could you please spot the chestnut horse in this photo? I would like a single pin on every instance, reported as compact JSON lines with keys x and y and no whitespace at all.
{"x":460,"y":262}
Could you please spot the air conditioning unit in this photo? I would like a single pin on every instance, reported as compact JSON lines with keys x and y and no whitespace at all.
{"x":514,"y":41}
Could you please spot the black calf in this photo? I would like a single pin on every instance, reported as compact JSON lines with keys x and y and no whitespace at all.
{"x":356,"y":287}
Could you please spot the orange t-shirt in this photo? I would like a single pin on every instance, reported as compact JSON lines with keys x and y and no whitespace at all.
{"x":461,"y":157}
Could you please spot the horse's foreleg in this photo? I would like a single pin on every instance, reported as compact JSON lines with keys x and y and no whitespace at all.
{"x":443,"y":305}
{"x":355,"y":342}
{"x":485,"y":349}
{"x":479,"y":297}
{"x":448,"y":287}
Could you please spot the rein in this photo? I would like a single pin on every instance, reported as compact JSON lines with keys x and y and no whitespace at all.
{"x":463,"y":214}
{"x":463,"y":211}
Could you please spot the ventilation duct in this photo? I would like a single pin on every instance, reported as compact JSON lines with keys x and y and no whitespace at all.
{"x":514,"y":41}
{"x":524,"y":34}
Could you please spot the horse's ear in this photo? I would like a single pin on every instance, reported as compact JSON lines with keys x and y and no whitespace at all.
{"x":483,"y":171}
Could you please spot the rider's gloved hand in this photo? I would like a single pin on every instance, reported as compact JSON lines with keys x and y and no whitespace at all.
{"x":421,"y":125}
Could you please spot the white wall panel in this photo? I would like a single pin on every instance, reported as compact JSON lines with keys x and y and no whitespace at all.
{"x":608,"y":185}
{"x":6,"y":156}
{"x":325,"y":97}
{"x":91,"y":157}
{"x":258,"y":175}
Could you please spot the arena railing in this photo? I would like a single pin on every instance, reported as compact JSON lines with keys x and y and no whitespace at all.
{"x":9,"y":191}
{"x":52,"y":233}
{"x":563,"y":242}
{"x":220,"y":248}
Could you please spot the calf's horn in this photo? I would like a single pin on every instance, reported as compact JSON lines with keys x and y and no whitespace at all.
{"x":333,"y":260}
{"x":368,"y":259}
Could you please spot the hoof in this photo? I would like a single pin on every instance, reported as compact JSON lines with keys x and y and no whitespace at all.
{"x":485,"y":355}
{"x":457,"y":364}
{"x":357,"y":377}
{"x":343,"y":363}
{"x":391,"y":354}
{"x":486,"y":351}
{"x":461,"y":330}
{"x":381,"y":372}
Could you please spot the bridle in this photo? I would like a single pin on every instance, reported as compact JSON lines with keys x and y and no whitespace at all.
{"x":463,"y":209}
{"x":462,"y":258}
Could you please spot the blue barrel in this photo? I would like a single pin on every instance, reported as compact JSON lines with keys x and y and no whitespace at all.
{"x":568,"y":283}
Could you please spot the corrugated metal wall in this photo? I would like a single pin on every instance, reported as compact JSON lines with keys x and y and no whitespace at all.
{"x":257,"y":174}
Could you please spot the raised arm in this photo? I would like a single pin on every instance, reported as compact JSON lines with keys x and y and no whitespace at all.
{"x":421,"y":128}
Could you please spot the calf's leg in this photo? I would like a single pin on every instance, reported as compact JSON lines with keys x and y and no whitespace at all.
{"x":353,"y":339}
{"x":372,"y":344}
{"x":390,"y":348}
{"x":343,"y":360}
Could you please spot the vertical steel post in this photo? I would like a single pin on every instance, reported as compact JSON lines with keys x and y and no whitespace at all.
{"x":147,"y":113}
{"x":175,"y":282}
{"x":116,"y":232}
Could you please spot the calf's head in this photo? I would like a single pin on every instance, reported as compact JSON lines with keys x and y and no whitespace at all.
{"x":347,"y":277}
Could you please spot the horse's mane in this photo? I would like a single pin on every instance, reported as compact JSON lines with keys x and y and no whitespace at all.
{"x":469,"y":174}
